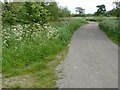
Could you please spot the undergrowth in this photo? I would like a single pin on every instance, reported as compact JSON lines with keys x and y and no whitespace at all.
{"x":111,"y":27}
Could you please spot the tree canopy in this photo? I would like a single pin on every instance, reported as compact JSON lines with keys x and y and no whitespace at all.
{"x":117,"y":8}
{"x":80,"y":10}
{"x":101,"y":10}
{"x":37,"y":12}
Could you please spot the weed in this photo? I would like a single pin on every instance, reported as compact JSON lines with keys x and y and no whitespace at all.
{"x":110,"y":27}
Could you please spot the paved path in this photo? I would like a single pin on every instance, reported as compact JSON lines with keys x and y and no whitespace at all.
{"x":92,"y":60}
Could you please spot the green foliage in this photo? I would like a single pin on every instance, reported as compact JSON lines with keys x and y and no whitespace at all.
{"x":54,"y":10}
{"x":115,"y":11}
{"x":64,"y":12}
{"x":26,"y":44}
{"x":101,"y":10}
{"x":80,"y":10}
{"x":110,"y":27}
{"x":112,"y":12}
{"x":32,"y":12}
{"x":31,"y":41}
{"x":26,"y":12}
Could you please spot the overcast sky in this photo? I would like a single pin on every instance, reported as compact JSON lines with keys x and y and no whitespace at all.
{"x":88,"y":5}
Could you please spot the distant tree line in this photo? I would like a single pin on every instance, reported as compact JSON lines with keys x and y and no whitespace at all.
{"x":101,"y":11}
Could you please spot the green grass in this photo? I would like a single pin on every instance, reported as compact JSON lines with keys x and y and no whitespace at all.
{"x":110,"y":27}
{"x":33,"y":55}
{"x":44,"y":78}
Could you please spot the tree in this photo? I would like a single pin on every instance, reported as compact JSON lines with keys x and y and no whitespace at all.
{"x":117,"y":8}
{"x":80,"y":10}
{"x":111,"y":12}
{"x":101,"y":10}
{"x":56,"y":11}
{"x":52,"y":7}
{"x":25,"y":12}
{"x":117,"y":3}
{"x":6,"y":5}
{"x":32,"y":12}
{"x":64,"y":12}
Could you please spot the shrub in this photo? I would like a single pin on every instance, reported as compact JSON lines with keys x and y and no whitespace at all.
{"x":26,"y":12}
{"x":110,"y":27}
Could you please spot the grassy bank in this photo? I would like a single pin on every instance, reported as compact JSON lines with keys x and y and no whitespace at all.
{"x":110,"y":27}
{"x":29,"y":49}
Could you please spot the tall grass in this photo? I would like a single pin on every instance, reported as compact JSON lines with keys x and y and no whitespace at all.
{"x":28,"y":48}
{"x":110,"y":27}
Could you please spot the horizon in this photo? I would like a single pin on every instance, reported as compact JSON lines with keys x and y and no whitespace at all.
{"x":90,"y":7}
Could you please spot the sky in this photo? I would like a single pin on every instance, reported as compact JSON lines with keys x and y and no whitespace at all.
{"x":88,"y":5}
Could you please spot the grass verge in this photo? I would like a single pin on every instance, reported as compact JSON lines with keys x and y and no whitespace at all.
{"x":110,"y":27}
{"x":35,"y":54}
{"x":45,"y":78}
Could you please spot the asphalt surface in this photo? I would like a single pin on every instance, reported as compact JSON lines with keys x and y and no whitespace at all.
{"x":92,"y":60}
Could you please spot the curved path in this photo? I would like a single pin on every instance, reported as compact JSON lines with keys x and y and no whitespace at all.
{"x":92,"y":60}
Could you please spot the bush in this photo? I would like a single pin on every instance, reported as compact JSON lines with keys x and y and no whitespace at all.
{"x":110,"y":27}
{"x":25,"y":13}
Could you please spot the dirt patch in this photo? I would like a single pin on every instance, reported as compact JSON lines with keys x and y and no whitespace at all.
{"x":18,"y":81}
